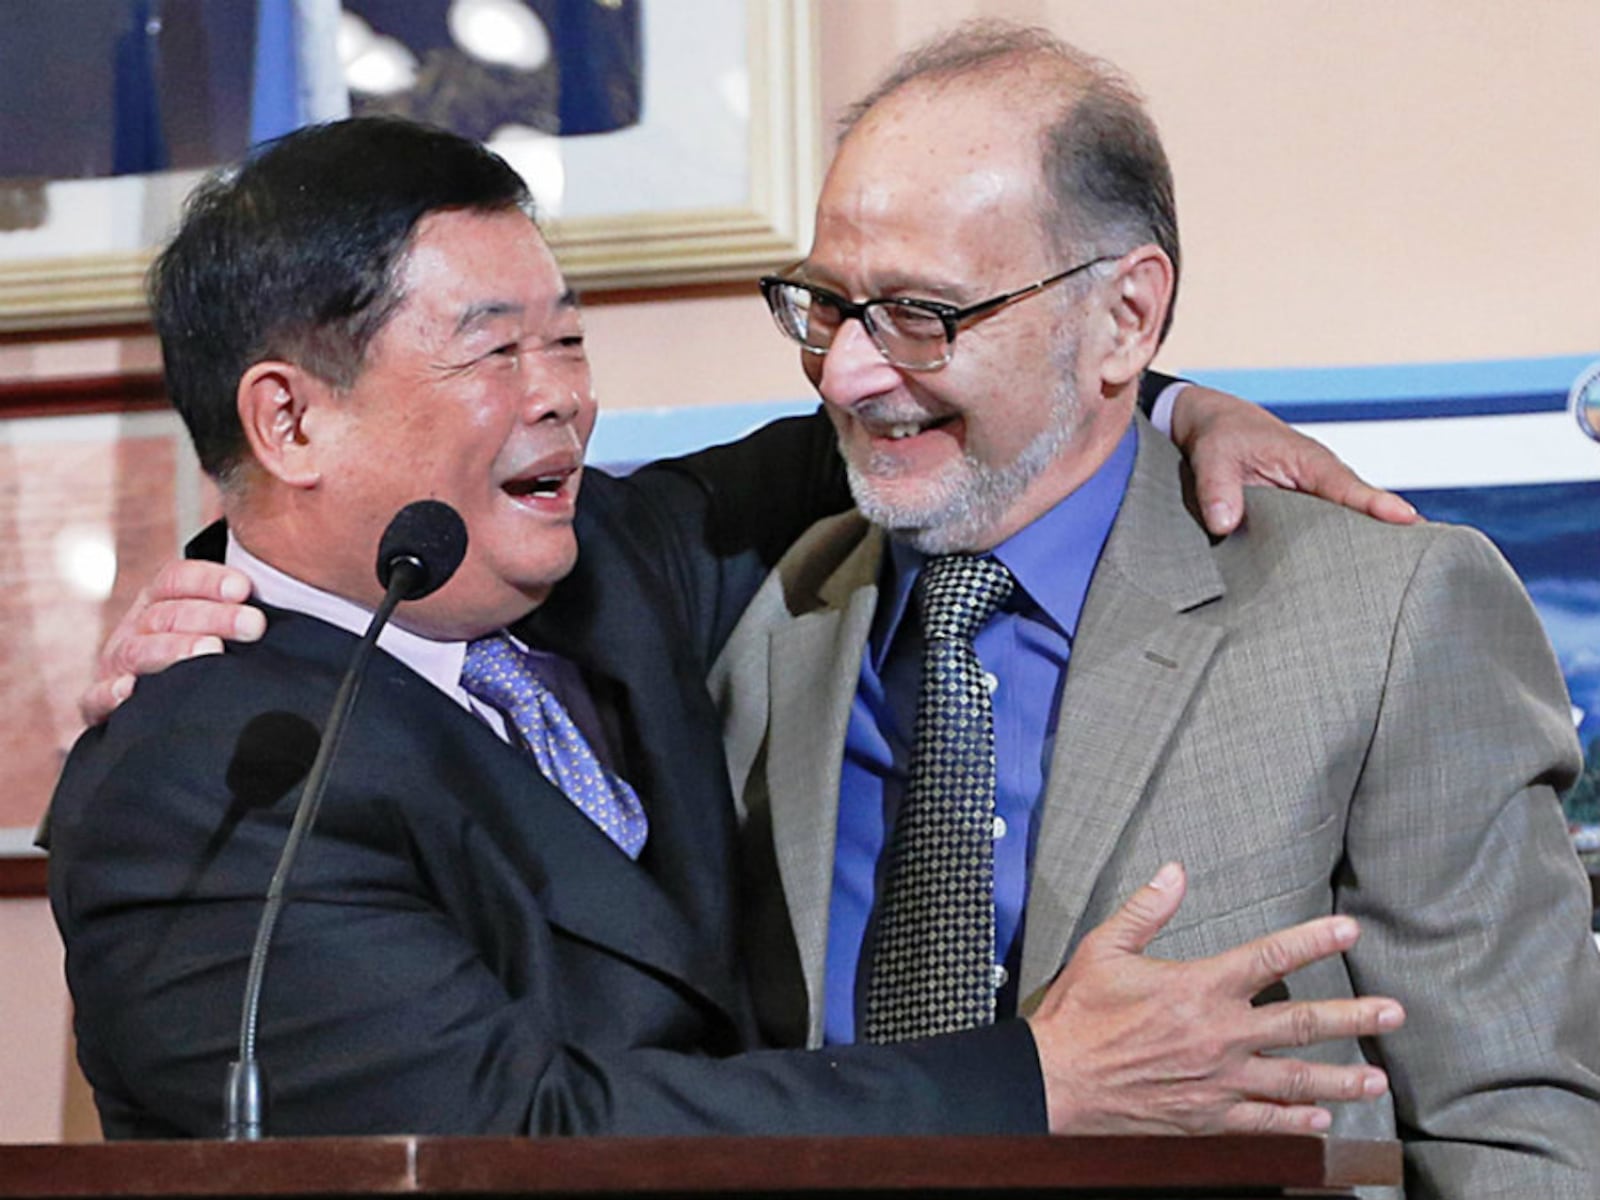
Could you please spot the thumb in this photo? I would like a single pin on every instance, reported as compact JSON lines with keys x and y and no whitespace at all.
{"x":1145,"y":913}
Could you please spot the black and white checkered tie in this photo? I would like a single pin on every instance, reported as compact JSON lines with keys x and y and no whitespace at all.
{"x":933,"y":961}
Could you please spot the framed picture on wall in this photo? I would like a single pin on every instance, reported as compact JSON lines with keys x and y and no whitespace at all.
{"x":708,"y":173}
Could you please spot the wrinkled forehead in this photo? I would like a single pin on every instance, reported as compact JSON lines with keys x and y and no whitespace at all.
{"x":471,"y":262}
{"x":931,"y":174}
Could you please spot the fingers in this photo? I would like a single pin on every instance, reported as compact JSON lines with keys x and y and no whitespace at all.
{"x":189,"y":609}
{"x":1385,"y":506}
{"x":1219,"y":480}
{"x":1285,"y":1095}
{"x":1324,"y":474}
{"x":151,"y":652}
{"x":102,"y":698}
{"x":195,"y":579}
{"x":1232,"y":445}
{"x":1264,"y":961}
{"x":1304,"y":1023}
{"x":1249,"y":1116}
{"x":213,"y":619}
{"x":1130,"y":1043}
{"x":1144,"y":914}
{"x":1297,"y":1081}
{"x":1228,"y":442}
{"x":204,"y":600}
{"x":1221,"y":502}
{"x":144,"y":654}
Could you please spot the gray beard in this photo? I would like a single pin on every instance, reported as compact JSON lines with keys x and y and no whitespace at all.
{"x":970,"y":498}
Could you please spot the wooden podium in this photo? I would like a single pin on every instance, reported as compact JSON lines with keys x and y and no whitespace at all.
{"x":661,"y":1168}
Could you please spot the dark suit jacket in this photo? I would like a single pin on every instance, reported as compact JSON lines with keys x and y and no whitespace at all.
{"x":464,"y":951}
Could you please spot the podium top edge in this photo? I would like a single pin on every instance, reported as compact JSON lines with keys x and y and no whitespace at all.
{"x":713,"y":1166}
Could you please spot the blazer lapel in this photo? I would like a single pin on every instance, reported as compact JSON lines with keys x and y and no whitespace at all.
{"x":1138,"y":656}
{"x":603,"y":618}
{"x":805,"y":753}
{"x":582,"y":882}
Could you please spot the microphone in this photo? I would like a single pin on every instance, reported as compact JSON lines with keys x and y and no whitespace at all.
{"x":420,"y":550}
{"x":425,"y":543}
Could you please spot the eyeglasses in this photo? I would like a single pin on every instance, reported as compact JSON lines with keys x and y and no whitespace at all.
{"x":917,"y":335}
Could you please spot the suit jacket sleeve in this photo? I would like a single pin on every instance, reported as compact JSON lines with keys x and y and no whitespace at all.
{"x":1471,"y":900}
{"x":1151,"y":385}
{"x":713,"y":523}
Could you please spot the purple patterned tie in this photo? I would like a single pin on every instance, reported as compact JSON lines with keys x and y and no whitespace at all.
{"x":498,"y":673}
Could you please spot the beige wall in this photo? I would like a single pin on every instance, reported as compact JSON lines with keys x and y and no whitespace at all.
{"x":1359,"y":181}
{"x":42,"y":1098}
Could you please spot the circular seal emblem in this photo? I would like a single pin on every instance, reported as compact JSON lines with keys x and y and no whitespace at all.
{"x":1584,"y":401}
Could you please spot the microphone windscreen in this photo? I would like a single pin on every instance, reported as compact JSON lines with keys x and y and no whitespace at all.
{"x":430,"y":533}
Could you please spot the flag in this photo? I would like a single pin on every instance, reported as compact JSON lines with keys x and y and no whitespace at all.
{"x":296,"y":78}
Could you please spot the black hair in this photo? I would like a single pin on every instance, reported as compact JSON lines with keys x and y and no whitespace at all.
{"x":295,"y":255}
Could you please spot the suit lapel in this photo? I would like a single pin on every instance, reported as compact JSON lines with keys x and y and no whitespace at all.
{"x":805,"y":754}
{"x":607,"y":617}
{"x":1139,"y":654}
{"x":583,"y":884}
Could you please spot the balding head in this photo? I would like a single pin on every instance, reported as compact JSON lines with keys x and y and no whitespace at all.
{"x":1107,"y":185}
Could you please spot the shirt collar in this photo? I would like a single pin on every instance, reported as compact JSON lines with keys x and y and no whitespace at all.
{"x":437,"y":662}
{"x":1052,"y":558}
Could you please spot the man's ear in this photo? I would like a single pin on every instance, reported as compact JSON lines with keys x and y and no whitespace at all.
{"x":1136,"y":307}
{"x":273,"y":399}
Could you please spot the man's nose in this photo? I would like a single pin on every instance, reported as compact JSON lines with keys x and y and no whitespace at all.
{"x":552,"y":396}
{"x":853,"y":367}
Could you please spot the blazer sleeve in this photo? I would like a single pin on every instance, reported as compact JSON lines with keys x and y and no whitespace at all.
{"x":1151,"y":385}
{"x":713,"y":523}
{"x":1473,"y":905}
{"x":422,"y":979}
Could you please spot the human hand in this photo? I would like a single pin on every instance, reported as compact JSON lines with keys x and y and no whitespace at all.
{"x":187,"y":610}
{"x":1133,"y":1044}
{"x":1232,"y":444}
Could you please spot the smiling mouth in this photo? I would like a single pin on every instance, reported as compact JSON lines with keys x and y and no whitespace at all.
{"x":900,"y":430}
{"x":549,"y":485}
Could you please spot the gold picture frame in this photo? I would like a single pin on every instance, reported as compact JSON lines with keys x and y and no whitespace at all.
{"x":646,"y":249}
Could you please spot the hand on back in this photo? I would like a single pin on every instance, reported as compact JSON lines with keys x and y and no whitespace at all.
{"x":190,"y":608}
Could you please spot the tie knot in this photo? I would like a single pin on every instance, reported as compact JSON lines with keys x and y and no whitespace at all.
{"x":959,"y":592}
{"x":496,"y":671}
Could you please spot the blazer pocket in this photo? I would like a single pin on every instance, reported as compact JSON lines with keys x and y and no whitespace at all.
{"x":1226,"y":890}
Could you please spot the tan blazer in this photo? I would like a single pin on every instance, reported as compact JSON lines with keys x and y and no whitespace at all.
{"x":1317,"y":714}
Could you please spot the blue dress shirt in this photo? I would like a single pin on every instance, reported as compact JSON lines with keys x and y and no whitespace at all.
{"x":1024,"y":650}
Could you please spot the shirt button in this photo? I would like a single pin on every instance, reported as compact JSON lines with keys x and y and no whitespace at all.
{"x":999,"y":976}
{"x":991,"y":681}
{"x":999,"y":828}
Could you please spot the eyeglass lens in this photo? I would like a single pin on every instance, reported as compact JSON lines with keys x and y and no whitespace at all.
{"x":908,"y":334}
